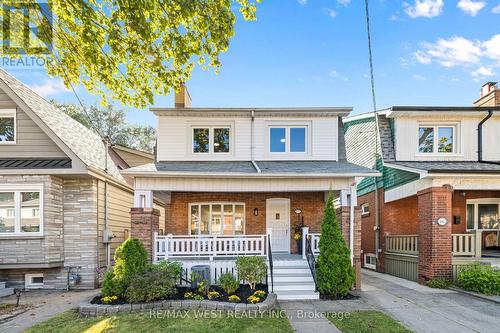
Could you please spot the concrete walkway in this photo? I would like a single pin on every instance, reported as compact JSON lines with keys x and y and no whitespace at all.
{"x":424,"y":309}
{"x":46,"y":304}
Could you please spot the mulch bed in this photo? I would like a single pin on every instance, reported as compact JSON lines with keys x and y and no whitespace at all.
{"x":243,"y":292}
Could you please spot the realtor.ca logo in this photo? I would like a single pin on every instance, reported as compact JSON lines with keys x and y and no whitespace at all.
{"x":26,"y":32}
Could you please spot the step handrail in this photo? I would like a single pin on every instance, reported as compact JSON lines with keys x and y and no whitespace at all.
{"x":311,"y":260}
{"x":270,"y":259}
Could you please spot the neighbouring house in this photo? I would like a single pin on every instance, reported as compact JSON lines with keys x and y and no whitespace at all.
{"x":64,"y":207}
{"x":241,"y":181}
{"x":438,"y":201}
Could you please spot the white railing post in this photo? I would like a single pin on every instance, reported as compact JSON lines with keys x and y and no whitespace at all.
{"x":269,"y":232}
{"x":155,"y":247}
{"x":305,"y":234}
{"x":478,"y":243}
{"x":167,"y":245}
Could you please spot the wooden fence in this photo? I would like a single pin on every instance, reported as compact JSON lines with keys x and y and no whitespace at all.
{"x":401,"y":256}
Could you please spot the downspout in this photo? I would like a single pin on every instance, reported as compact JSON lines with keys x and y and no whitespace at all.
{"x":480,"y":136}
{"x":351,"y":221}
{"x":377,"y":203}
{"x":106,"y":210}
{"x":252,"y":147}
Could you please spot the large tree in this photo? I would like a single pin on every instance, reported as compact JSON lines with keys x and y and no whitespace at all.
{"x":130,"y":50}
{"x":110,"y":123}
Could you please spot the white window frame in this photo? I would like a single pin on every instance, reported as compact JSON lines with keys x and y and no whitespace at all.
{"x":10,"y":113}
{"x":28,"y":278}
{"x":436,"y":127}
{"x":476,"y":202}
{"x":210,"y":204}
{"x":211,"y":128}
{"x":369,"y":265}
{"x":365,"y":209}
{"x":17,"y":189}
{"x":288,"y":140}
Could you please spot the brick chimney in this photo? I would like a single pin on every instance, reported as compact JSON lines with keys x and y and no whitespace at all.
{"x":182,"y":97}
{"x":489,"y":95}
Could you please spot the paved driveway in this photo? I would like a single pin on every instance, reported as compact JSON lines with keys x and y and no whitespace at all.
{"x":46,"y":304}
{"x":424,"y":309}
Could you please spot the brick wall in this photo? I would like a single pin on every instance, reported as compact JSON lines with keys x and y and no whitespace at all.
{"x":311,"y":203}
{"x":434,"y":239}
{"x":144,"y":223}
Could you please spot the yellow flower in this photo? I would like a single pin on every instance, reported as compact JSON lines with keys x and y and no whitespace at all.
{"x":109,"y":299}
{"x":297,"y":236}
{"x":259,"y":293}
{"x":213,"y":294}
{"x":234,"y":299}
{"x":189,"y":295}
{"x":253,"y":299}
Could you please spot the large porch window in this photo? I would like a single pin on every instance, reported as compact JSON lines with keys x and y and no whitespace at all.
{"x":483,"y":214}
{"x":218,"y":218}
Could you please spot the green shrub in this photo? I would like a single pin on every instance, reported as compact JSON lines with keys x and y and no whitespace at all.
{"x":252,"y":269}
{"x":157,"y":282}
{"x":229,"y":283}
{"x":439,"y":283}
{"x":131,"y":259}
{"x":335,"y":273}
{"x":480,"y":278}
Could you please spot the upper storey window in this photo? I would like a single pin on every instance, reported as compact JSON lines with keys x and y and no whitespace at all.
{"x":289,"y":139}
{"x":436,"y":139}
{"x":7,"y":126}
{"x":208,"y":140}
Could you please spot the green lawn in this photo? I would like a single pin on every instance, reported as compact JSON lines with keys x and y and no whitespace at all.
{"x":368,"y":322}
{"x":71,"y":322}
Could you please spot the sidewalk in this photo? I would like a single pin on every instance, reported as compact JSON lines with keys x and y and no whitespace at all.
{"x":46,"y":305}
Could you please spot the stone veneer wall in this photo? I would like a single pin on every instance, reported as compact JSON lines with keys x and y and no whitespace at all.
{"x":80,"y":228}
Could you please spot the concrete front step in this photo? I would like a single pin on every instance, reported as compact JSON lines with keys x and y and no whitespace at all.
{"x":297,"y":294}
{"x":302,"y":277}
{"x":292,"y":270}
{"x":284,"y":286}
{"x":290,"y":263}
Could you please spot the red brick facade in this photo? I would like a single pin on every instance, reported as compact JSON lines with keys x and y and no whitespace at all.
{"x":145,"y":222}
{"x":311,"y":204}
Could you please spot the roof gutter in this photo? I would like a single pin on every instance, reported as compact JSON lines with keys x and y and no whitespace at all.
{"x":480,"y":139}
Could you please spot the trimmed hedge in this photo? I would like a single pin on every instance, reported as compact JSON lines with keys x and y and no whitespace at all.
{"x":480,"y":278}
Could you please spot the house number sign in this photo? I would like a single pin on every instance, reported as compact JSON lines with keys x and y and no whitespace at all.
{"x":442,"y":221}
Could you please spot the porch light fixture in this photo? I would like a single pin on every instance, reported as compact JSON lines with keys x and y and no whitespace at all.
{"x":255,"y":211}
{"x":298,"y":211}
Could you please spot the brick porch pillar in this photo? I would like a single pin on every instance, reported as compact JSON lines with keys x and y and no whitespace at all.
{"x":434,"y":239}
{"x":145,"y":222}
{"x":343,"y":216}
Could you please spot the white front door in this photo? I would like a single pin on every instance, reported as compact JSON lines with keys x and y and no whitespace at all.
{"x":278,"y":219}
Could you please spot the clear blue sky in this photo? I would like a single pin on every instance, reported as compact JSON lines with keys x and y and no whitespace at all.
{"x":314,"y":53}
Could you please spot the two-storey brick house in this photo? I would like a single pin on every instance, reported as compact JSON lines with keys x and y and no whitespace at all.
{"x":439,"y":196}
{"x":238,"y":176}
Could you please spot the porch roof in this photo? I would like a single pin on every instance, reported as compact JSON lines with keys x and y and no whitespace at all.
{"x":246,"y":168}
{"x":449,"y":166}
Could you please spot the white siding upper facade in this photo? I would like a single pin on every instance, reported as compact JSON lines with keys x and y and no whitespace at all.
{"x":465,"y":136}
{"x":175,"y":136}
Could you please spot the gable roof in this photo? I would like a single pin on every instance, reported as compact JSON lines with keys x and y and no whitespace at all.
{"x":83,"y":142}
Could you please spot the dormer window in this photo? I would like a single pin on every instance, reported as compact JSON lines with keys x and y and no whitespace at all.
{"x":288,"y":139}
{"x":7,"y":126}
{"x":437,"y":139}
{"x":207,"y":140}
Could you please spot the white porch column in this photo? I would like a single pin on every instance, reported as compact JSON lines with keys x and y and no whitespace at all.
{"x":478,"y":243}
{"x":143,"y":199}
{"x":305,"y":234}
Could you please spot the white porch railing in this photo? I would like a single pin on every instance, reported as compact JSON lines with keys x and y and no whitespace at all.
{"x":172,"y":246}
{"x":314,"y":241}
{"x":467,"y":245}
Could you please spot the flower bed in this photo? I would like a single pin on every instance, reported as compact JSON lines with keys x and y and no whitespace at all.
{"x":90,"y":309}
{"x":244,"y":294}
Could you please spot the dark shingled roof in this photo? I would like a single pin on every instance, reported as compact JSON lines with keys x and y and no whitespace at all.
{"x":37,"y":163}
{"x":246,"y":167}
{"x":451,"y":166}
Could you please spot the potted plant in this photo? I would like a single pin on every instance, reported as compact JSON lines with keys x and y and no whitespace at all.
{"x":297,"y":236}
